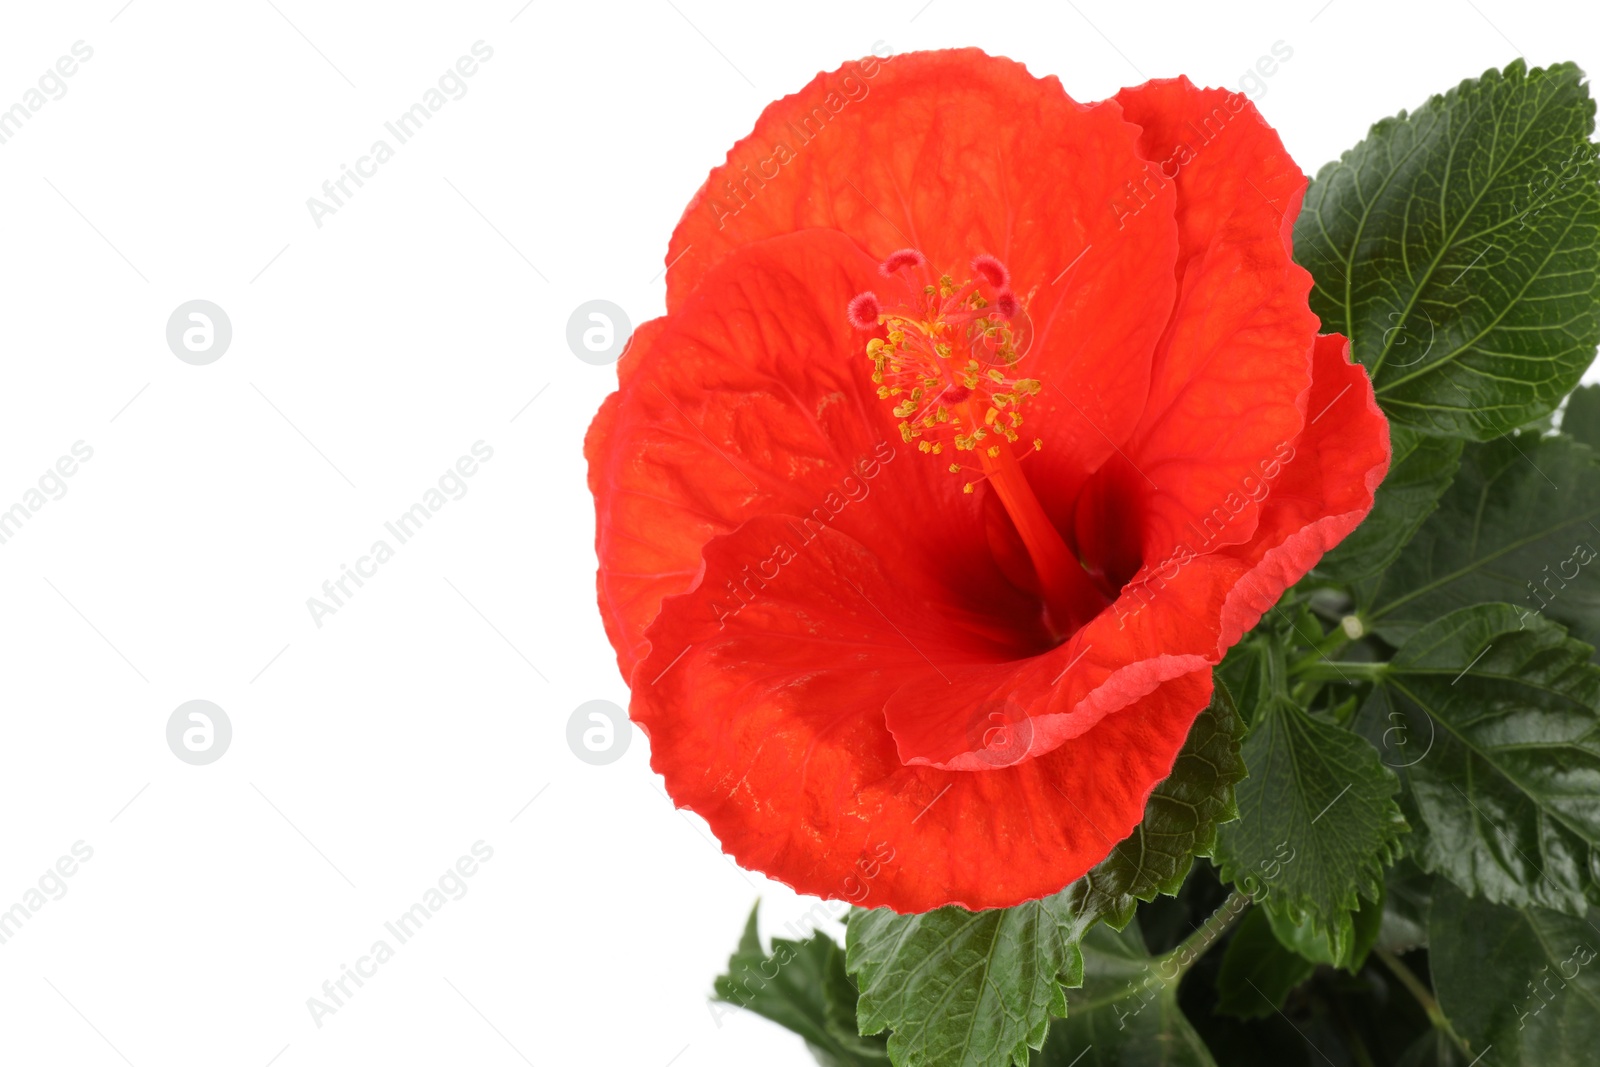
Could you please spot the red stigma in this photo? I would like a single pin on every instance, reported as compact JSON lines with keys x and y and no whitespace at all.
{"x":992,"y":270}
{"x":863,"y":311}
{"x":1006,"y":304}
{"x":906,"y":257}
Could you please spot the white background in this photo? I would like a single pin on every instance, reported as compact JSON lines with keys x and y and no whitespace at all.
{"x":368,"y":354}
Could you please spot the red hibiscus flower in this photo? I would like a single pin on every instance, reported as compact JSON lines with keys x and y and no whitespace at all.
{"x":980,"y":425}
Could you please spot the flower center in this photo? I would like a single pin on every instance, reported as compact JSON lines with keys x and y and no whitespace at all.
{"x":949,"y":360}
{"x":948,"y":364}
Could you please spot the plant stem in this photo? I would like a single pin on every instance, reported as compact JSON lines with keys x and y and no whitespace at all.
{"x":1070,"y":595}
{"x":1332,"y":642}
{"x":1414,"y":984}
{"x":1340,"y":671}
{"x":1207,"y":934}
{"x":1276,"y":665}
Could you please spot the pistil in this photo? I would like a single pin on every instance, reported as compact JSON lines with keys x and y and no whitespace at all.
{"x":1070,"y":596}
{"x":948,"y":362}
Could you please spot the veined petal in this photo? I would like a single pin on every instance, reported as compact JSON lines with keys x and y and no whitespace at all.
{"x":755,"y":398}
{"x":957,"y":154}
{"x":767,"y":721}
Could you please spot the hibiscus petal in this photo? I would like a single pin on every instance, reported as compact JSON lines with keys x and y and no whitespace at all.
{"x":829,"y":660}
{"x":767,"y":721}
{"x":1182,"y":613}
{"x":755,"y":398}
{"x":956,"y":153}
{"x":1311,"y":496}
{"x":1228,"y":398}
{"x":1324,"y":493}
{"x":1230,"y":372}
{"x":626,"y":591}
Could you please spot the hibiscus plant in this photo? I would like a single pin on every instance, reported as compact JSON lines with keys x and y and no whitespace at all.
{"x":1149,"y":590}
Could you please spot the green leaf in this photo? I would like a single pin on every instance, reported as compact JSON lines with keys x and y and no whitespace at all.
{"x":801,"y":986}
{"x":1419,"y":473}
{"x":1504,"y":789}
{"x":960,"y":987}
{"x":1459,"y":249}
{"x":1258,"y":972}
{"x":839,"y":1002}
{"x":1408,"y":892}
{"x":1244,"y":670}
{"x":1180,"y":821}
{"x":1317,"y":824}
{"x":957,"y":987}
{"x":1524,"y":984}
{"x":1336,"y":946}
{"x":1519,"y":526}
{"x":1127,"y":1011}
{"x":1581,"y":419}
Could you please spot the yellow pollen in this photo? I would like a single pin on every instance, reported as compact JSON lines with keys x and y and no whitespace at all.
{"x":947,"y":364}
